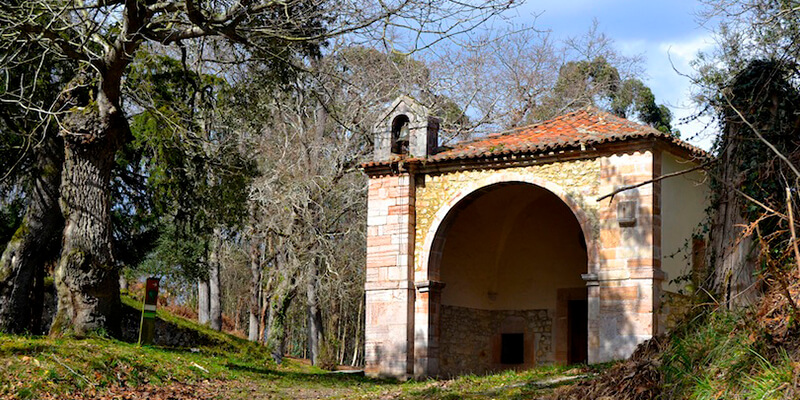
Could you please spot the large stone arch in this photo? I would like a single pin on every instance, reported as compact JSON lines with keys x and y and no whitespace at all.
{"x":427,"y":275}
{"x":431,"y":250}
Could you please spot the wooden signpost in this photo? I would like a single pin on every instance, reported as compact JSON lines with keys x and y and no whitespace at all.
{"x":147,"y":327}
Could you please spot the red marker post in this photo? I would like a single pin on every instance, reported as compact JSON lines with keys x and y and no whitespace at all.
{"x":147,"y":327}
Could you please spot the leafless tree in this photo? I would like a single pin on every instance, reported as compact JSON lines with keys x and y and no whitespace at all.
{"x":307,"y":227}
{"x":102,"y":38}
{"x":521,"y":75}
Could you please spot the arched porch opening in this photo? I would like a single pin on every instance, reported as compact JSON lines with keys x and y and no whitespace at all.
{"x":505,"y":287}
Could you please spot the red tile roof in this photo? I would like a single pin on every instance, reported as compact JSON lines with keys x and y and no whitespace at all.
{"x":587,"y":126}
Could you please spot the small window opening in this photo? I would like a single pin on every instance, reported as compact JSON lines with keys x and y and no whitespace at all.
{"x":512,"y":348}
{"x":401,"y":131}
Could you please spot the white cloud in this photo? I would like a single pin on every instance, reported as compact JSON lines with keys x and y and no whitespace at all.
{"x":631,"y":47}
{"x":668,"y":66}
{"x":686,"y":51}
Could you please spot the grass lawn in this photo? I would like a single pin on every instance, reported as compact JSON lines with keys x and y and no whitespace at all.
{"x":48,"y":368}
{"x":231,"y":368}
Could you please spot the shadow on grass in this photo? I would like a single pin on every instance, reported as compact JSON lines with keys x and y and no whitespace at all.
{"x":26,"y":349}
{"x":329,"y":378}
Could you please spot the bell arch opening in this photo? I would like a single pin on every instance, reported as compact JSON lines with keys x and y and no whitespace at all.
{"x":401,"y":134}
{"x":510,"y":257}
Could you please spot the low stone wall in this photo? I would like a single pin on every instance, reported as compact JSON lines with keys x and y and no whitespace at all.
{"x":167,"y":334}
{"x":470,"y":340}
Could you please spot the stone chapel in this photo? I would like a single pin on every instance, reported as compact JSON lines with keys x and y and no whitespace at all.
{"x":497,"y":253}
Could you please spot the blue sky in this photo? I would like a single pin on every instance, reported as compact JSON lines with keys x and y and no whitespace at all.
{"x":665,"y":33}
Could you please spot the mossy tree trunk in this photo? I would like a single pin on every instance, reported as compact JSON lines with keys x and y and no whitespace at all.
{"x":87,"y":277}
{"x":281,"y":299}
{"x":276,"y":337}
{"x":315,"y":327}
{"x":34,"y":245}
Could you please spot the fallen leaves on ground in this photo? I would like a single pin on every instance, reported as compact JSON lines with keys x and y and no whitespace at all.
{"x":205,"y":390}
{"x":638,"y":378}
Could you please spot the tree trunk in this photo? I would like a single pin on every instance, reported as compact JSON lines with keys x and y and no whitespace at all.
{"x":315,"y":329}
{"x":215,"y":294}
{"x":342,"y":326}
{"x":733,"y":250}
{"x":316,"y":334}
{"x":278,"y":306}
{"x":263,"y":323}
{"x":202,"y":301}
{"x":762,"y":107}
{"x":357,"y":345}
{"x":36,"y":242}
{"x":255,"y":291}
{"x":276,"y":336}
{"x":86,"y":278}
{"x":214,"y":298}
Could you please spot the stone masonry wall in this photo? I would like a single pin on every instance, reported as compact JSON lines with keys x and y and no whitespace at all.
{"x":389,"y":287}
{"x":579,"y":179}
{"x":470,"y":338}
{"x":624,"y":297}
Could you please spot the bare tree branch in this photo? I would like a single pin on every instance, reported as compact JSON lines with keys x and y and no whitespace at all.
{"x":647,"y":182}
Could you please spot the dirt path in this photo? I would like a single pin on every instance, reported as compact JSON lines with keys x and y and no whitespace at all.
{"x":322,"y":387}
{"x":359,"y":389}
{"x":174,"y":391}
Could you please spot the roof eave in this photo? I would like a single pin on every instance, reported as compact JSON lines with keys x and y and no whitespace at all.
{"x":505,"y":159}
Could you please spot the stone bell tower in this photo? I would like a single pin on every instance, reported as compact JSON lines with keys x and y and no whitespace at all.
{"x":406,"y":130}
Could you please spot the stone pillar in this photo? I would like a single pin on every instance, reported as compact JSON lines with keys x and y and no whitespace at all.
{"x":593,"y":322}
{"x":625,"y":292}
{"x":427,"y":310}
{"x":389,"y":276}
